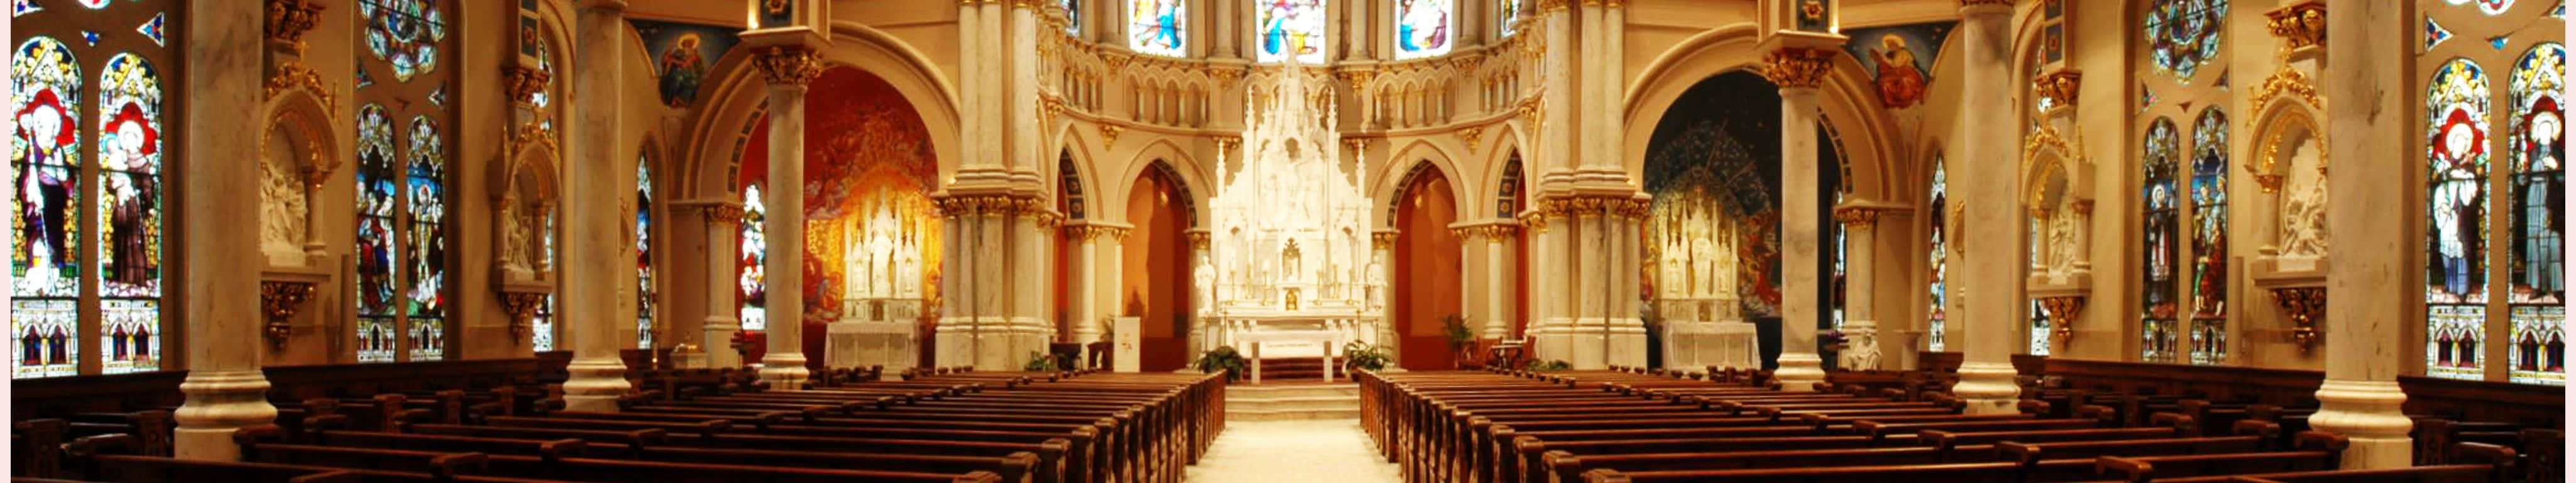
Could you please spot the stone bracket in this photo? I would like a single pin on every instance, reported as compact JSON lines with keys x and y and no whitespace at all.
{"x":281,"y":295}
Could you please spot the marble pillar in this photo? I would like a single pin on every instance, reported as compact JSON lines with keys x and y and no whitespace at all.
{"x":787,"y":68}
{"x":1498,"y":292}
{"x":1798,"y":64}
{"x":2360,"y":398}
{"x":1860,"y":289}
{"x":724,"y":224}
{"x":225,"y":389}
{"x":598,"y":257}
{"x":1988,"y":265}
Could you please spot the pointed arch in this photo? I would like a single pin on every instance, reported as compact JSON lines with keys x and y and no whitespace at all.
{"x":1848,"y":101}
{"x":1165,"y":155}
{"x":1413,"y":158}
{"x":736,"y":94}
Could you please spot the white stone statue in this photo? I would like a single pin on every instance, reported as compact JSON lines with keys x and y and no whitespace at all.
{"x":517,"y":243}
{"x":1205,"y":276}
{"x":282,"y":207}
{"x":2061,"y":241}
{"x":2303,"y":222}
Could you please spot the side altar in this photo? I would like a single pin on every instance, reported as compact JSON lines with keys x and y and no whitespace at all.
{"x":1289,"y":250}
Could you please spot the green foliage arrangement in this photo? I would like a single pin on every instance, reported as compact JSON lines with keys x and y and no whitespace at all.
{"x":1538,"y":365}
{"x":1040,"y":362}
{"x":1224,"y":358}
{"x":1456,"y":326}
{"x":1358,"y":355}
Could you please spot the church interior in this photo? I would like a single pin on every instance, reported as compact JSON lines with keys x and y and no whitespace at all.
{"x":1465,"y":241}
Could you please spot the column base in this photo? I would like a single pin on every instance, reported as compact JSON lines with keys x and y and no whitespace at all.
{"x":1988,"y":387}
{"x":596,"y":383}
{"x":717,"y":342}
{"x":218,"y":403}
{"x":784,"y":371}
{"x":1799,"y":371}
{"x":2369,"y":414}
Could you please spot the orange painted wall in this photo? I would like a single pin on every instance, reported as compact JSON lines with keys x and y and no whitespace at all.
{"x":1155,"y":285}
{"x":1426,"y":272}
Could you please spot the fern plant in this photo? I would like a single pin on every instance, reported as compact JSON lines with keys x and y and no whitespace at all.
{"x":1223,"y":358}
{"x":1358,"y":355}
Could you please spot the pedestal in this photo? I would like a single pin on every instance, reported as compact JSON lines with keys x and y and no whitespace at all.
{"x":1128,"y":335}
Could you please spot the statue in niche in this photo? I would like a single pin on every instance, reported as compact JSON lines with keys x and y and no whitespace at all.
{"x":516,"y":242}
{"x":2061,"y":241}
{"x":283,"y":211}
{"x":2303,"y":221}
{"x":1289,"y":260}
{"x":1205,"y":275}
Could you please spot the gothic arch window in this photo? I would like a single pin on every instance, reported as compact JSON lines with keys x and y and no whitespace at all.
{"x":1423,"y":28}
{"x":1289,"y":29}
{"x":2501,"y":94}
{"x":92,"y":123}
{"x":1940,"y":263}
{"x":402,"y":178}
{"x":2184,"y":35}
{"x":1158,"y":27}
{"x":2158,"y":195}
{"x":748,"y":263}
{"x":645,"y":295}
{"x":2209,"y":282}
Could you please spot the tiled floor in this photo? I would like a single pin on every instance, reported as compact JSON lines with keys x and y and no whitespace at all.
{"x":1329,"y":450}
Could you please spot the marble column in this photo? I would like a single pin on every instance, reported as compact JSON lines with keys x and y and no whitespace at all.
{"x":598,"y":258}
{"x":225,"y":389}
{"x":724,"y":223}
{"x":2360,"y":398}
{"x":1988,"y":265}
{"x":1498,"y":292}
{"x":1798,"y":65}
{"x":1860,"y":289}
{"x":1084,"y":327}
{"x":787,"y":68}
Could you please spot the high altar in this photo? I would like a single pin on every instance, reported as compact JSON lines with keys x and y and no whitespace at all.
{"x":882,"y":297}
{"x":1289,"y":255}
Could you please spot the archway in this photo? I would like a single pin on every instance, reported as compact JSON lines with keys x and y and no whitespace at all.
{"x":1426,"y":270}
{"x":1155,"y":284}
{"x":1713,"y":230}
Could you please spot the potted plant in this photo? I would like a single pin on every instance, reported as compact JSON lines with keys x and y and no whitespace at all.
{"x":1223,"y":358}
{"x":1539,"y":365}
{"x":1358,"y":355}
{"x":1461,"y":341}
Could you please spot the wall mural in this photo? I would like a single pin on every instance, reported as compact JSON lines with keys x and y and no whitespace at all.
{"x":1900,"y":58}
{"x":872,"y":237}
{"x":683,"y":54}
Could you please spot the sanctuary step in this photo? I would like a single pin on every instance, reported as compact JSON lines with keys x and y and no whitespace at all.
{"x":1274,"y":401}
{"x":1286,"y":369}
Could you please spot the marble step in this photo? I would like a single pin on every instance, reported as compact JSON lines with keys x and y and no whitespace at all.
{"x":1232,"y":414}
{"x":1243,"y":391}
{"x":1292,"y":403}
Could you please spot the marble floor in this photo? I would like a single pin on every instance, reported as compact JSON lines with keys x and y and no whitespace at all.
{"x":1333,"y":450}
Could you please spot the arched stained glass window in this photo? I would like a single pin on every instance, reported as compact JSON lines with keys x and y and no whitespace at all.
{"x":1507,"y":14}
{"x":1158,"y":27}
{"x":2162,"y":202}
{"x":543,"y":323}
{"x":644,"y":293}
{"x":1072,"y":15}
{"x":129,"y":162}
{"x":45,"y":95}
{"x":402,"y":176}
{"x":2456,"y":153}
{"x":2539,"y":230}
{"x":377,"y":252}
{"x":2209,"y":237}
{"x":1939,"y":228}
{"x":754,"y":256}
{"x":1289,"y":29}
{"x":1422,"y":28}
{"x":2183,"y":34}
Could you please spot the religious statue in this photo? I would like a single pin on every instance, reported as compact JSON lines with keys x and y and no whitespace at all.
{"x":2061,"y":241}
{"x":515,"y":242}
{"x":282,"y":210}
{"x":2303,"y":222}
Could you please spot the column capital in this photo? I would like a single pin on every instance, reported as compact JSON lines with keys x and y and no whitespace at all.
{"x":1198,"y":239}
{"x":523,"y":83}
{"x":1382,"y":239}
{"x":1550,"y":6}
{"x":288,"y":20}
{"x":2060,"y":87}
{"x":1090,"y":232}
{"x":1488,"y":231}
{"x":2301,"y":25}
{"x":1797,"y":67}
{"x":1857,"y":218}
{"x":1590,"y":204}
{"x":789,"y":65}
{"x":1979,"y":4}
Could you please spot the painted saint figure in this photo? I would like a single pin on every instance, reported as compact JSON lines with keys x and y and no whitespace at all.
{"x":682,"y":69}
{"x":1900,"y":78}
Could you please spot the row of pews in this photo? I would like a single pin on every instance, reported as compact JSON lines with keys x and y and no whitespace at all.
{"x":1632,"y":425}
{"x":723,"y":426}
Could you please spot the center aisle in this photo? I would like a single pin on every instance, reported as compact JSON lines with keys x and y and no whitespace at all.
{"x":1283,"y":451}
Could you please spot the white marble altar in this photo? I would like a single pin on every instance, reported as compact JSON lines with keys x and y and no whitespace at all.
{"x":1290,"y":249}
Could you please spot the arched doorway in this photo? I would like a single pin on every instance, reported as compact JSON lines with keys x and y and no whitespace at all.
{"x":1155,"y":284}
{"x":1426,"y":270}
{"x":1713,"y":230}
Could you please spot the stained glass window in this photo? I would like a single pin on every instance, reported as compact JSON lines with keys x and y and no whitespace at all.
{"x":754,"y":256}
{"x":2183,"y":34}
{"x":545,"y":96}
{"x":543,"y":324}
{"x":1289,"y":29}
{"x":1072,"y":16}
{"x":426,"y":234}
{"x":45,"y":94}
{"x":1158,"y":27}
{"x":2039,"y":329}
{"x":644,"y":251}
{"x":2489,"y":7}
{"x":377,"y":252}
{"x":1421,"y":28}
{"x":2209,"y":237}
{"x":129,"y":159}
{"x":404,"y":33}
{"x":1940,"y":252}
{"x":2456,"y":153}
{"x":1507,"y":14}
{"x":2162,"y":205}
{"x":2539,"y":230}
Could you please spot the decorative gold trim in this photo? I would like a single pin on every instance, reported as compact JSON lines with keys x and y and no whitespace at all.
{"x":1382,"y":240}
{"x":2305,"y":307}
{"x":2302,"y":25}
{"x":279,"y":300}
{"x":1857,"y":218}
{"x":1984,"y":3}
{"x":1198,"y":239}
{"x":2062,"y":312}
{"x":2081,"y":206}
{"x":1551,"y":6}
{"x":1003,"y":204}
{"x":1109,"y":134}
{"x":1469,"y":135}
{"x":1490,"y":231}
{"x":294,"y":75}
{"x":2060,"y":87}
{"x":1797,"y":67}
{"x":523,"y":83}
{"x":522,"y":309}
{"x":794,"y":65}
{"x":288,"y":20}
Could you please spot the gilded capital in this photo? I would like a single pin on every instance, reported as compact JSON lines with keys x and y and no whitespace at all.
{"x":1797,"y":66}
{"x":1857,"y":217}
{"x":793,"y":65}
{"x":1985,"y":3}
{"x":1383,"y":240}
{"x":1551,"y":5}
{"x":523,"y":83}
{"x":2060,"y":87}
{"x":2302,"y":25}
{"x":1109,"y":134}
{"x":288,"y":20}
